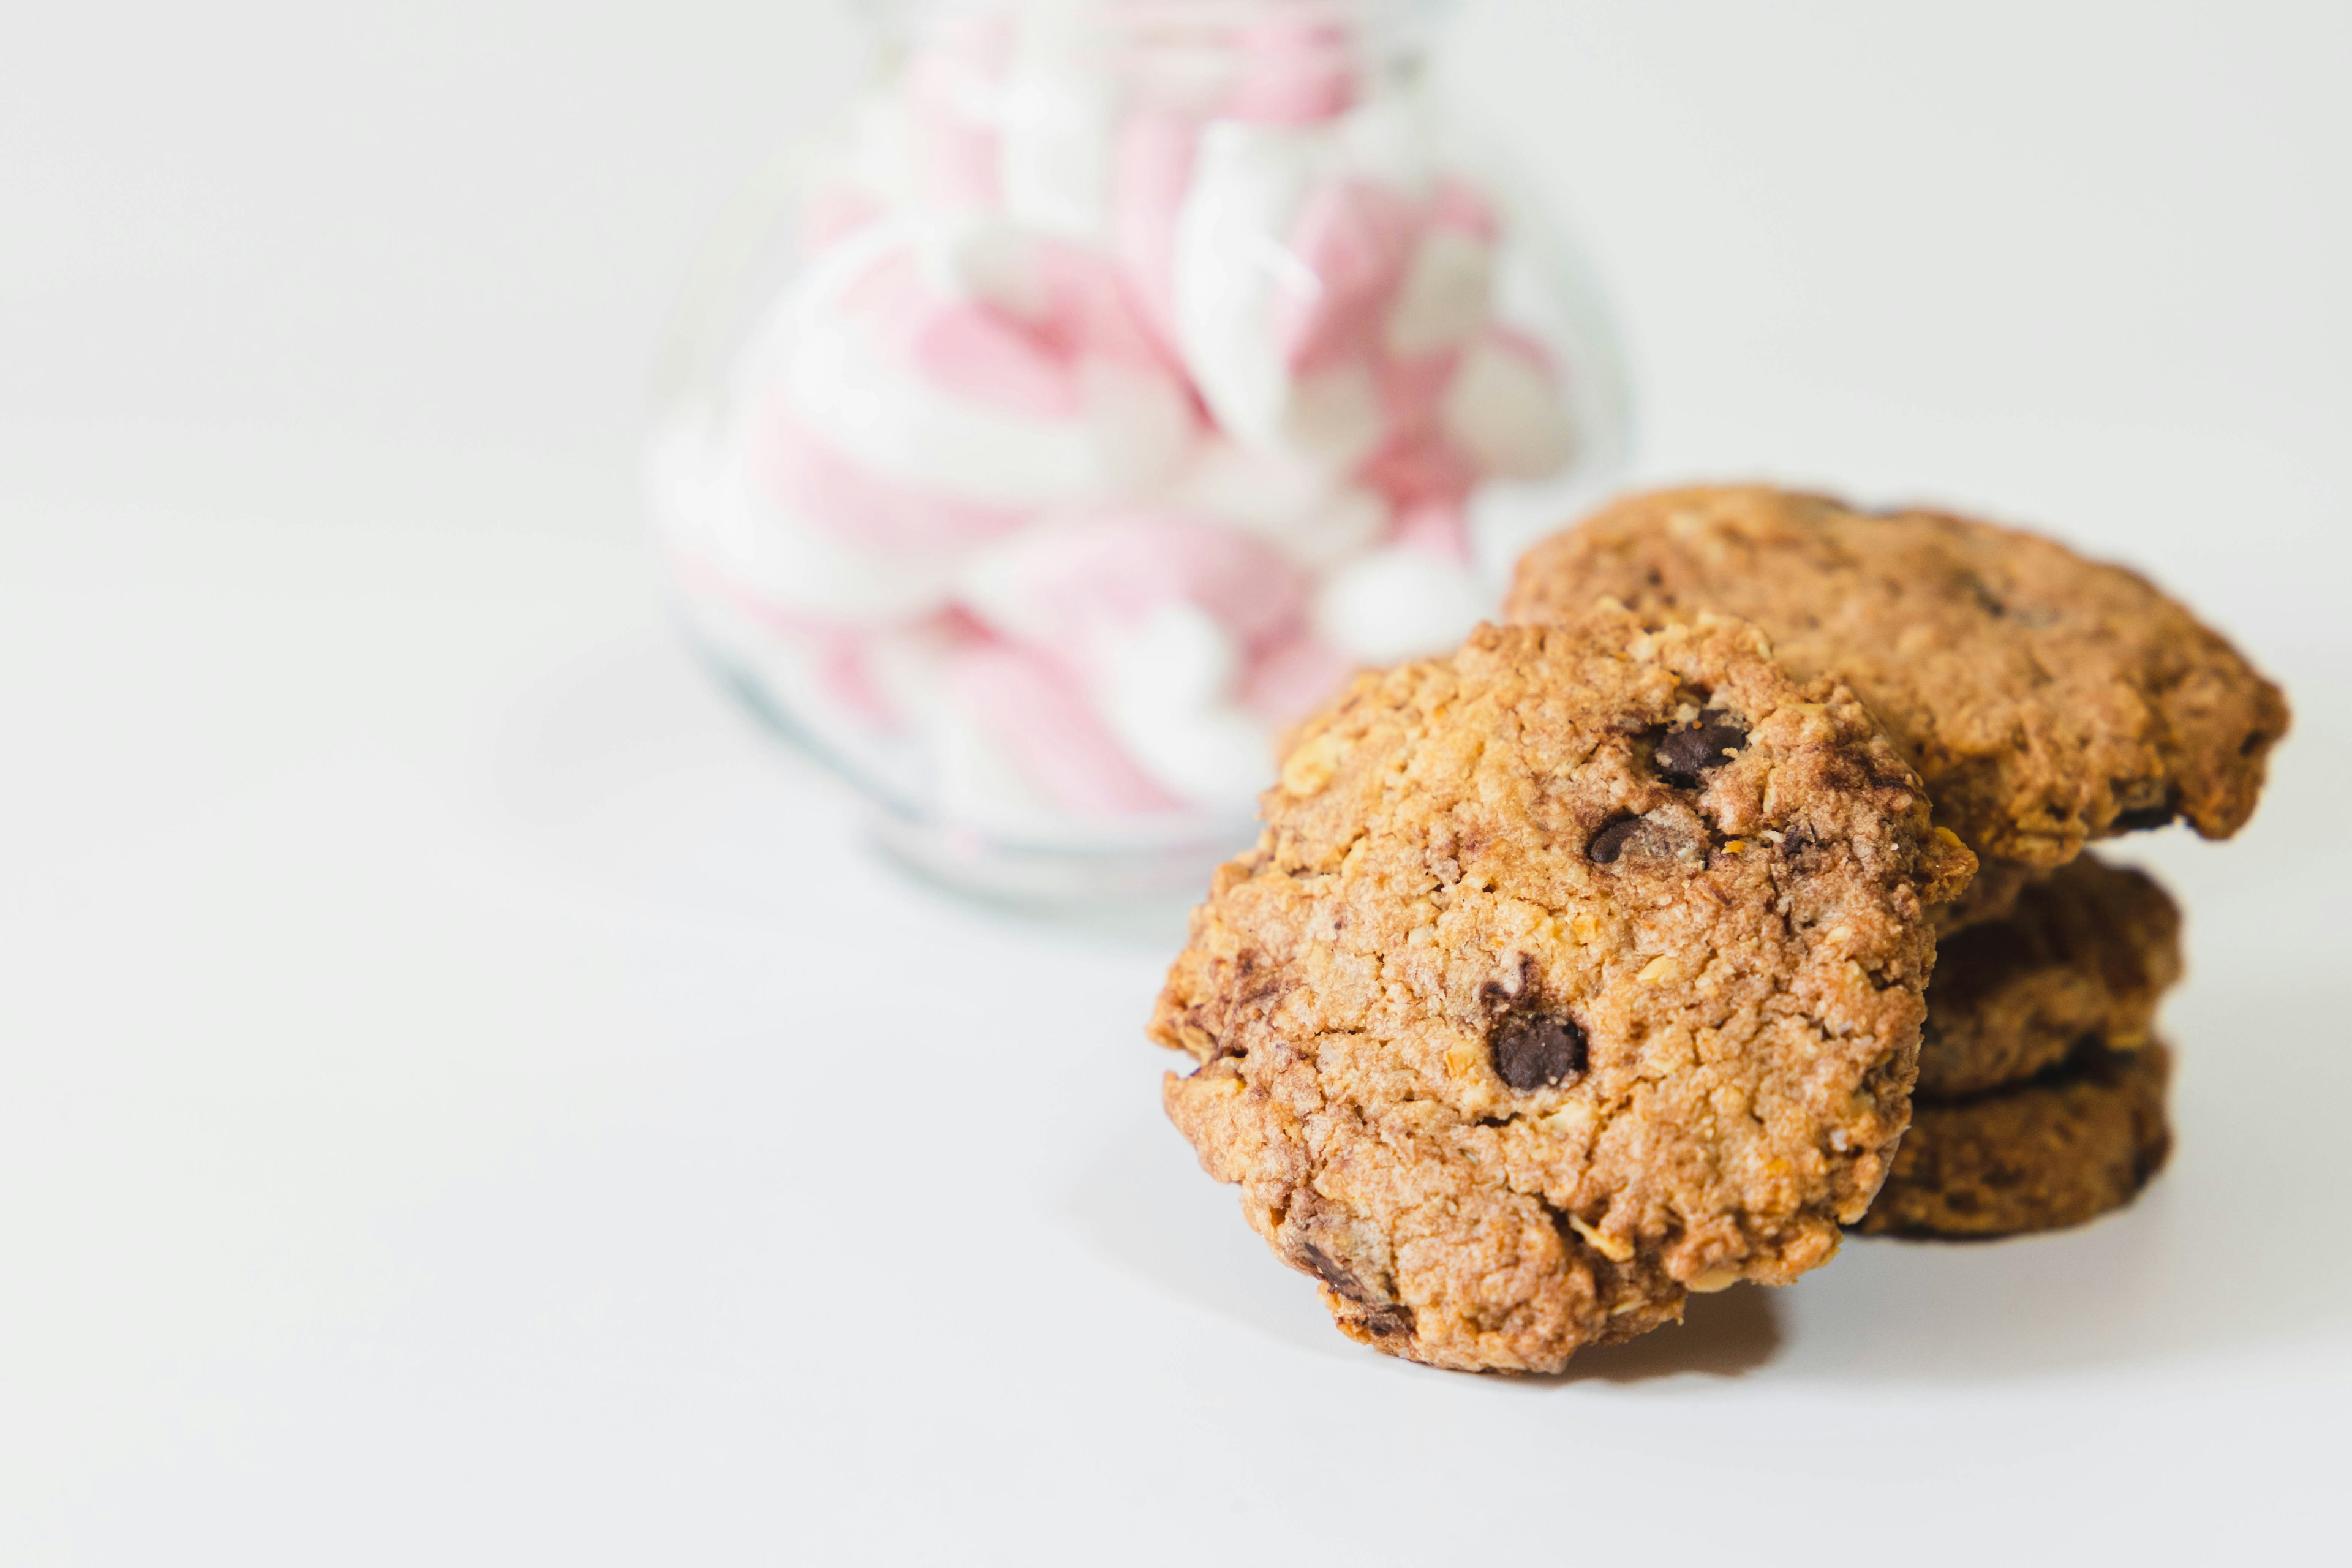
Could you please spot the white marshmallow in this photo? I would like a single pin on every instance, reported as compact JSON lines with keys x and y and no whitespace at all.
{"x":1056,"y":121}
{"x":807,"y":571}
{"x":1400,"y":603}
{"x":1447,"y":296}
{"x":1249,"y":181}
{"x":1132,"y":428}
{"x":707,"y":510}
{"x":1294,"y":505}
{"x":1502,"y":410}
{"x":1167,"y":690}
{"x":981,"y":257}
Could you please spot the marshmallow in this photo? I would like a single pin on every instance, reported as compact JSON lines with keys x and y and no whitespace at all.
{"x":1294,"y":677}
{"x":1294,"y":505}
{"x":801,"y":475}
{"x":1311,"y":265}
{"x":1400,"y":603}
{"x":775,"y":555}
{"x":1074,"y":587}
{"x":1058,"y":117}
{"x":1504,"y":409}
{"x":1294,"y":71}
{"x":1154,"y":169}
{"x":1436,"y":528}
{"x":948,"y":91}
{"x":1038,"y":719}
{"x":1167,"y":686}
{"x":969,"y":398}
{"x":1235,"y":279}
{"x":1357,"y":239}
{"x":1116,"y":416}
{"x":1447,"y":293}
{"x":1158,"y":618}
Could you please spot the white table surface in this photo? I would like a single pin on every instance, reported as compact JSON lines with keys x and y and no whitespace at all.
{"x":464,"y":1098}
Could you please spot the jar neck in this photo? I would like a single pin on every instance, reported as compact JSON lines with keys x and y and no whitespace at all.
{"x":1259,"y":58}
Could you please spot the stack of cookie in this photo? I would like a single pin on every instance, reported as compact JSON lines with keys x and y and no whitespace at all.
{"x":1587,"y":967}
{"x":2047,"y":700}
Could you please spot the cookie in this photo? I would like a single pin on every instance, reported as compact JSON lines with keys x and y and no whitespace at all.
{"x":2040,"y":1156}
{"x":2085,"y":955}
{"x":2046,"y":700}
{"x":1571,"y":973}
{"x":1990,"y":895}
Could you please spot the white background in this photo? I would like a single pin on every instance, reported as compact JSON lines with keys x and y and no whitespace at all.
{"x":465,"y":1098}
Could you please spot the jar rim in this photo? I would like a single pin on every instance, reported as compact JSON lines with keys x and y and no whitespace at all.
{"x":1183,"y":21}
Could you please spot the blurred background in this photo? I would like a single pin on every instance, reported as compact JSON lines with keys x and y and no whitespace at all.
{"x":467,"y":1095}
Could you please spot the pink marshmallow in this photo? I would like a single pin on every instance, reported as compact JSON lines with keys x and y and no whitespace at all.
{"x":1090,"y":313}
{"x":947,"y":87}
{"x":1153,"y":171}
{"x":1527,"y":346}
{"x":1420,"y":471}
{"x":1462,"y":208}
{"x":1037,"y":715}
{"x":801,"y":475}
{"x":1073,"y":588}
{"x":1357,"y":239}
{"x":1416,"y":465}
{"x":1022,"y":377}
{"x":890,"y":297}
{"x":1295,"y":71}
{"x":973,"y":351}
{"x":1439,"y":528}
{"x":1413,"y":390}
{"x":1022,"y":359}
{"x":1293,"y":678}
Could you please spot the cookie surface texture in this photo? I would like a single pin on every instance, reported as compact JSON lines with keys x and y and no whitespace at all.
{"x":2058,"y":1152}
{"x":2046,"y":700}
{"x":2083,"y":957}
{"x":1571,"y":973}
{"x":1991,"y":895}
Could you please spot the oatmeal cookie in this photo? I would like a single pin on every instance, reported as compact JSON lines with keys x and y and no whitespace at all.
{"x":2046,"y":700}
{"x":1990,"y":895}
{"x":2085,"y":956}
{"x":1571,"y":973}
{"x":2054,"y":1152}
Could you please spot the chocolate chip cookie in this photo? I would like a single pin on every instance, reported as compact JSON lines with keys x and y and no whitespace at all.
{"x":2046,"y":700}
{"x":2085,"y":955}
{"x":1572,"y":973}
{"x":1990,"y":895}
{"x":2054,"y":1152}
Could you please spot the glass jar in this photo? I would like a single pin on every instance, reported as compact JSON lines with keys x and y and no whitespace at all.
{"x":1113,"y":382}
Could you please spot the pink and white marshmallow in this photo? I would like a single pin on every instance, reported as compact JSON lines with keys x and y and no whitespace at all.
{"x":1116,"y":416}
{"x":1168,"y":623}
{"x":985,"y":366}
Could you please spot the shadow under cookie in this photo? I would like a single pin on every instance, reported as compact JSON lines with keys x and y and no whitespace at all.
{"x":1723,"y":1335}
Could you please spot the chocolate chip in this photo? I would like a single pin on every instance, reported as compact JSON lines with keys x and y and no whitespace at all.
{"x":1498,"y":995}
{"x":1687,"y":754}
{"x":1609,"y":842}
{"x":1334,"y":1276}
{"x":2252,"y":743}
{"x":1532,"y":1052}
{"x":2144,"y":817}
{"x":1383,"y":1322}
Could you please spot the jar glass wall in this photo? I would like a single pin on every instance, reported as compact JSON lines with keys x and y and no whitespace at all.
{"x":1116,"y":380}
